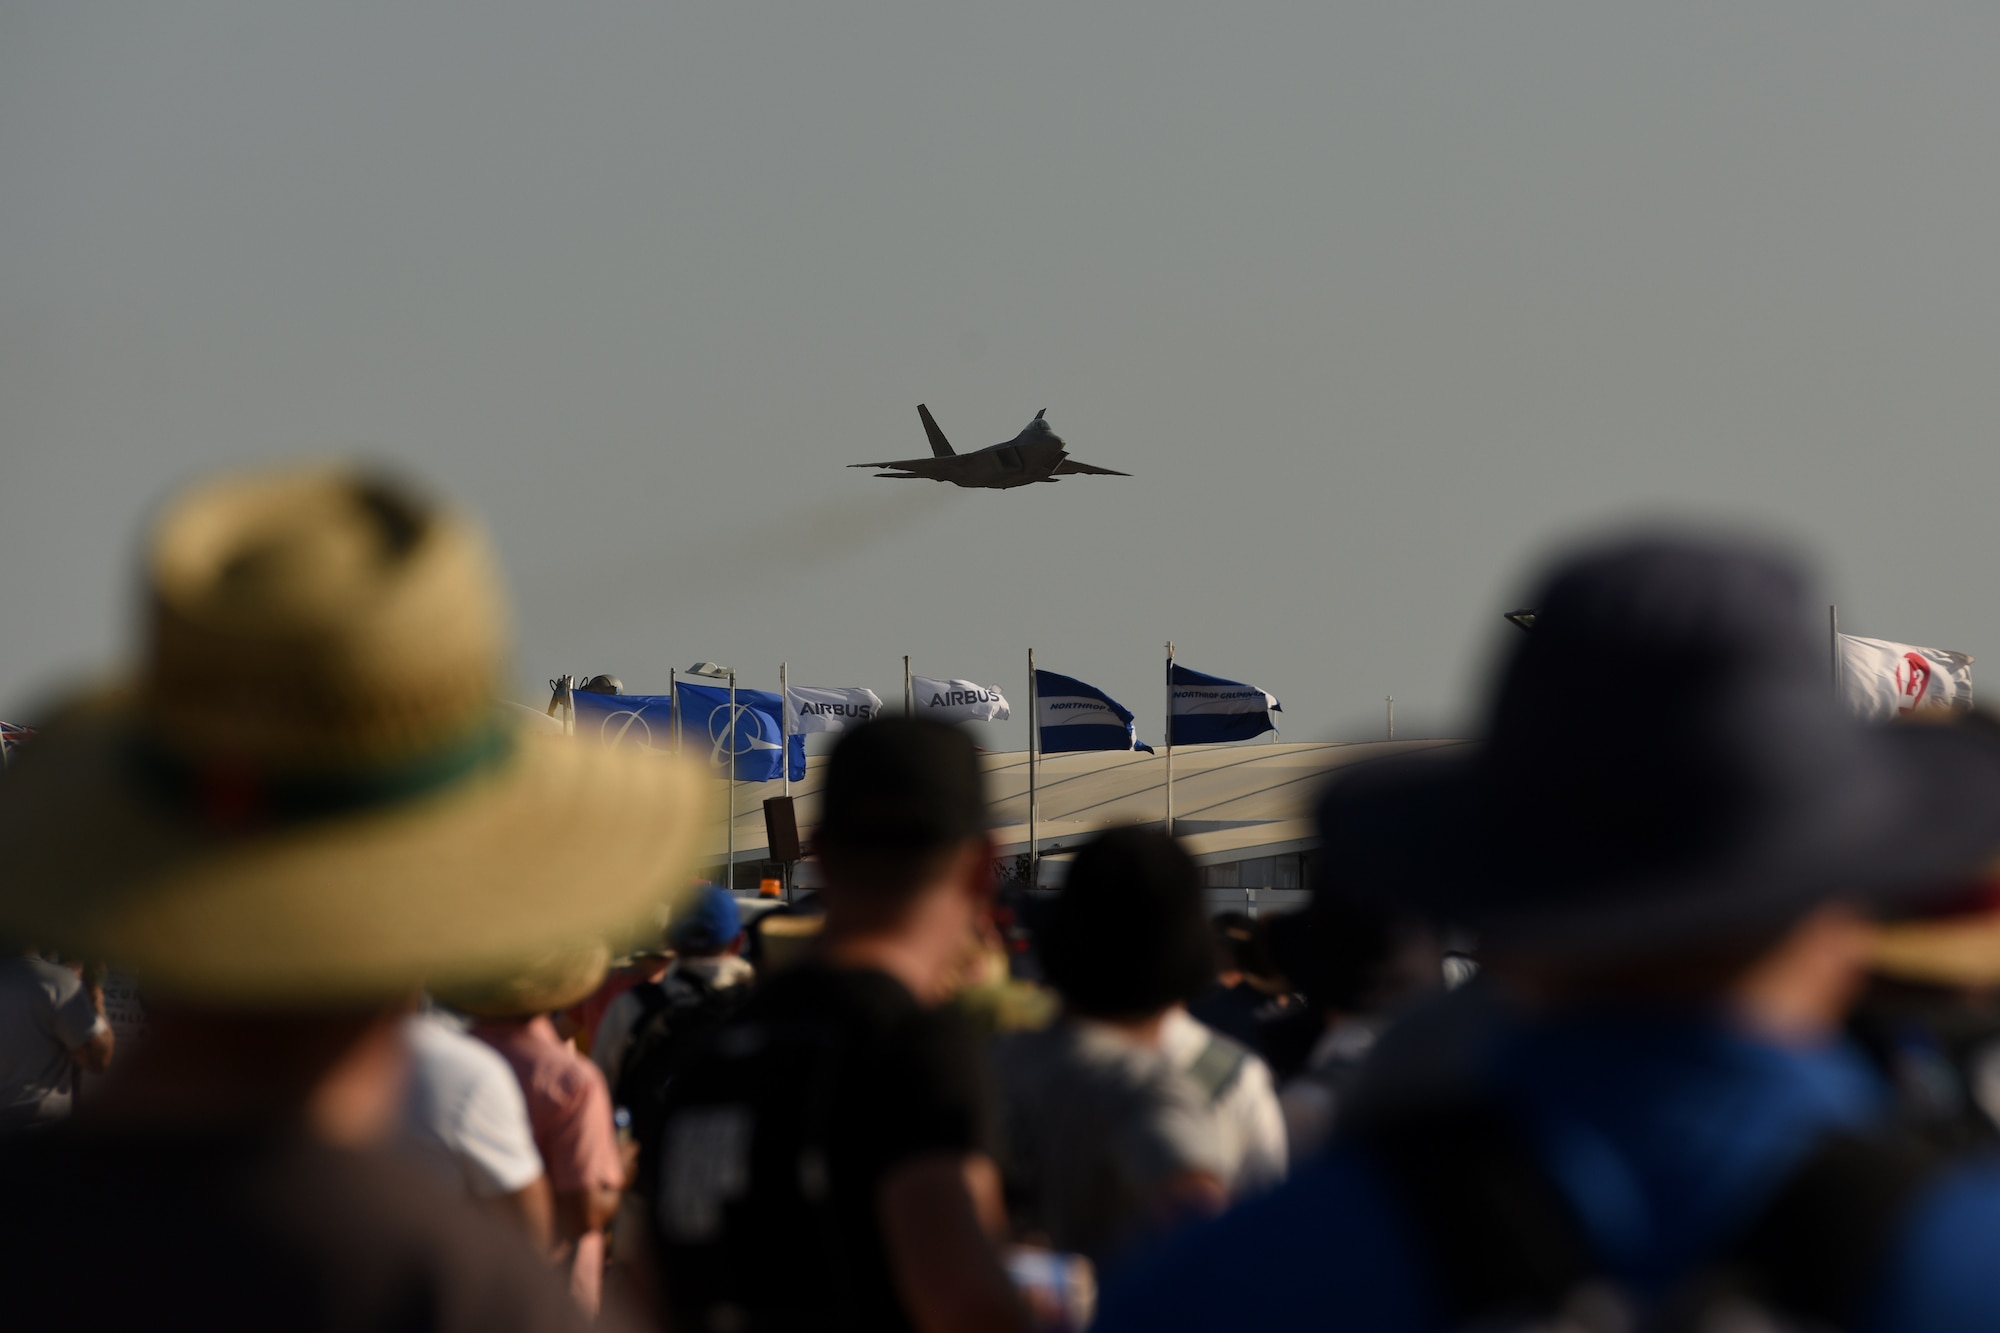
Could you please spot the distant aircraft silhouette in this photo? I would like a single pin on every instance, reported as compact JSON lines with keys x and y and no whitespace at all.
{"x":1036,"y":454}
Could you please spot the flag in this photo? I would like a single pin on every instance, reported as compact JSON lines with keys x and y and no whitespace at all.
{"x":1209,"y":709}
{"x":759,"y":732}
{"x":1880,"y":679}
{"x":644,"y":720}
{"x":647,"y":721}
{"x":958,"y":700}
{"x":1076,"y":716}
{"x":829,"y":707}
{"x":11,"y":736}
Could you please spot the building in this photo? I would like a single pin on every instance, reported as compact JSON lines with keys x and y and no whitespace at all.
{"x":1243,"y":811}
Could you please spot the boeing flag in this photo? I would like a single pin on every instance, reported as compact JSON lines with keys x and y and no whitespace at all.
{"x":644,"y":720}
{"x":1076,"y":716}
{"x":1208,"y":709}
{"x":760,"y":729}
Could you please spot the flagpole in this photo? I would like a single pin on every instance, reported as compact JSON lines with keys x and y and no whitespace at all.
{"x":674,"y":708}
{"x":730,"y":884}
{"x":1170,"y":738}
{"x":785,"y":725}
{"x":1833,"y":647}
{"x":569,"y":705}
{"x":1034,"y":725}
{"x":909,"y":700}
{"x":1392,"y":718}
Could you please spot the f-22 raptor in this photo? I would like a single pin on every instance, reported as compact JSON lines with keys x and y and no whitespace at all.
{"x":1036,"y":454}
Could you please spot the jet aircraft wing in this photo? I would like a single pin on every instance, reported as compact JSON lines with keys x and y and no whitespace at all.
{"x":904,"y":465}
{"x":1071,"y":466}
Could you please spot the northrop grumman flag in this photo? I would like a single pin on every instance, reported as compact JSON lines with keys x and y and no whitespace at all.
{"x":830,"y":708}
{"x":1209,"y":709}
{"x":958,"y":700}
{"x":1076,"y":716}
{"x":1880,"y":679}
{"x":759,"y":735}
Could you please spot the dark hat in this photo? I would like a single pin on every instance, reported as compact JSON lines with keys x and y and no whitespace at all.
{"x":1664,"y":760}
{"x":1128,"y":936}
{"x":902,"y":784}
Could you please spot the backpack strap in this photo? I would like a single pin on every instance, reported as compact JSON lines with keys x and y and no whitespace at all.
{"x":1215,"y":1070}
{"x":1504,"y":1241}
{"x":1819,"y":1246}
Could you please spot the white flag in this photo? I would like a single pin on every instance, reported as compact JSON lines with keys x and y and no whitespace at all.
{"x":1880,"y":679}
{"x":958,"y":700}
{"x":829,"y":708}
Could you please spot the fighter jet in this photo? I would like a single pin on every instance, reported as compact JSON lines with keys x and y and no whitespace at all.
{"x":1036,"y":454}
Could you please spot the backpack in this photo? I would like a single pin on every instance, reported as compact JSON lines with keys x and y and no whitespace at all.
{"x":676,"y":1017}
{"x":1511,"y":1255}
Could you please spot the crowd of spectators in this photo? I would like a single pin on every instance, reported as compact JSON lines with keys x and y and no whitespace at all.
{"x":1728,"y":1050}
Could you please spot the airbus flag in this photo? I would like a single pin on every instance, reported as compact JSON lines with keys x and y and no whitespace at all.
{"x":829,"y":708}
{"x":958,"y":700}
{"x":1074,"y":716}
{"x":1207,"y":710}
{"x":759,"y":734}
{"x":1880,"y":679}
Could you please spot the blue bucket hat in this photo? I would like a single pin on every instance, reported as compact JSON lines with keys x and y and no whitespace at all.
{"x":1664,"y":759}
{"x":708,"y":923}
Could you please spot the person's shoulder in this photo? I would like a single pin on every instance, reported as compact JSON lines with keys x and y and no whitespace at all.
{"x":1328,"y":1239}
{"x":59,"y":983}
{"x":276,"y":1220}
{"x":441,"y":1049}
{"x":853,"y":997}
{"x":571,"y":1077}
{"x":1215,"y":1058}
{"x":1940,"y":1273}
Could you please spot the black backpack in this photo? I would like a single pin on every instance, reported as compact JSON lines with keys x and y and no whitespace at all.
{"x":1511,"y":1255}
{"x":676,"y":1016}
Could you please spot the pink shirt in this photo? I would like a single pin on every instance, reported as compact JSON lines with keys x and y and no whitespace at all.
{"x":569,"y":1110}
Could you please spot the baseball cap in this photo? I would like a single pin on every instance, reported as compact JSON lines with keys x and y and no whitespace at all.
{"x":708,"y":923}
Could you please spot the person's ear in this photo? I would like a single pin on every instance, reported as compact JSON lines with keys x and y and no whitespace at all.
{"x":978,"y":876}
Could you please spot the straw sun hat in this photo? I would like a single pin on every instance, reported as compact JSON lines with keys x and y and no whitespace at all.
{"x":305,"y":794}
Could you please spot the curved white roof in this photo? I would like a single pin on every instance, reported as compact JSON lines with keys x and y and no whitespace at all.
{"x":1230,"y":801}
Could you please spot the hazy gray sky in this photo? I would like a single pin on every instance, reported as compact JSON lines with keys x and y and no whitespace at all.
{"x":1376,"y":301}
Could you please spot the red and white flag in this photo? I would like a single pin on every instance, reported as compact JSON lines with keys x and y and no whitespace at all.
{"x":11,"y":737}
{"x":1880,"y":679}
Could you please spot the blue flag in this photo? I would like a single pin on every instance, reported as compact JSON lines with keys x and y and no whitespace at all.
{"x":760,"y":730}
{"x":647,"y":721}
{"x":1208,"y":709}
{"x":1076,"y":716}
{"x":644,"y":720}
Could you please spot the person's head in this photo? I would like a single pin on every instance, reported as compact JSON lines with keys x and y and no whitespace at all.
{"x":1242,"y":952}
{"x":1127,"y":938}
{"x":1669,"y":804}
{"x":903,"y":826}
{"x":709,"y":926}
{"x":306,"y":804}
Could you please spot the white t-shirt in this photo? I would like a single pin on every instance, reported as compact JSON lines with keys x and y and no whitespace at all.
{"x":464,"y":1114}
{"x":1250,"y":1121}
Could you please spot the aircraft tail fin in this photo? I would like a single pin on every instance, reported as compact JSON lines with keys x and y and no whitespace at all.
{"x":940,"y":446}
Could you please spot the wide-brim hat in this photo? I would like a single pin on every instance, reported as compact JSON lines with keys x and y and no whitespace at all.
{"x":305,"y":794}
{"x":565,"y":975}
{"x":1664,"y":762}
